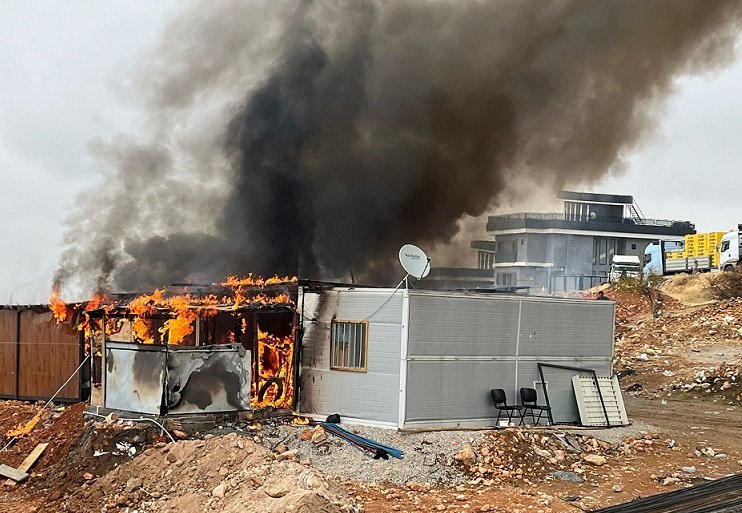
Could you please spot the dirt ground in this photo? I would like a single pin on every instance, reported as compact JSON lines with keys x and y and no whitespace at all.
{"x":688,"y":425}
{"x":680,"y":372}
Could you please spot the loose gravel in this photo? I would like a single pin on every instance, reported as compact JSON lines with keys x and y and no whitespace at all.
{"x":428,"y":457}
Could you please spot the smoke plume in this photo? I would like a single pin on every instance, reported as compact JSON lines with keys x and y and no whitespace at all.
{"x":318,"y":137}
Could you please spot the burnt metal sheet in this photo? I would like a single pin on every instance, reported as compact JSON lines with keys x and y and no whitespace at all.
{"x":208,"y":379}
{"x":135,"y":377}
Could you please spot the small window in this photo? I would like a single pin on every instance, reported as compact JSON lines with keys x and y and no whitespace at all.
{"x":348,"y":344}
{"x":633,"y":246}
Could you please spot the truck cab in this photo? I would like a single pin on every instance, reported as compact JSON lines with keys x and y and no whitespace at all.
{"x":624,"y":265}
{"x":655,"y":254}
{"x":729,"y":250}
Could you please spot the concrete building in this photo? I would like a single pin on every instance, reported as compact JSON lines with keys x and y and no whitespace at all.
{"x":573,"y":249}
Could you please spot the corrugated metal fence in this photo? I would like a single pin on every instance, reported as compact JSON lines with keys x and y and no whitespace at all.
{"x":37,"y":355}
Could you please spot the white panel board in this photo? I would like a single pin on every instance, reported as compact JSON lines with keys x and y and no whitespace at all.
{"x":588,"y":401}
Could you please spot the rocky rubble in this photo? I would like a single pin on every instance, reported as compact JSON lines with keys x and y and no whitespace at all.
{"x":724,"y":378}
{"x":520,"y":455}
{"x":696,"y":350}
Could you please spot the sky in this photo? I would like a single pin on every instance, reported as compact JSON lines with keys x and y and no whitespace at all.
{"x":65,"y":80}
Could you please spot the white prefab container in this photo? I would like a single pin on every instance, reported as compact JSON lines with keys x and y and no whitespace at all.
{"x":421,"y":358}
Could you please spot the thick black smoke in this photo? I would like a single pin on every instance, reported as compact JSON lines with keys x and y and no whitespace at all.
{"x":316,"y":138}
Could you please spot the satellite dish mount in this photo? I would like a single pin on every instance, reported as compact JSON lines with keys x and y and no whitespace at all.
{"x":415,"y":263}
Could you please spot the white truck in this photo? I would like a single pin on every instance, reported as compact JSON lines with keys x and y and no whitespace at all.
{"x":730,"y":249}
{"x":624,"y":265}
{"x":665,"y":257}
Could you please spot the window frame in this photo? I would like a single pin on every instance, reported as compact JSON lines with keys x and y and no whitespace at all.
{"x":333,"y":343}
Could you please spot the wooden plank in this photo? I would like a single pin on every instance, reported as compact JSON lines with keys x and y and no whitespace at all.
{"x":29,"y":461}
{"x":12,"y":473}
{"x":48,"y":354}
{"x":8,"y":347}
{"x":32,"y":458}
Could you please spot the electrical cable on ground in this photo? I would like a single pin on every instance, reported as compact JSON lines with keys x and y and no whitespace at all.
{"x":140,"y":419}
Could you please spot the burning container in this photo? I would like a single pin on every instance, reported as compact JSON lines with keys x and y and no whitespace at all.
{"x":216,"y":350}
{"x":421,"y":358}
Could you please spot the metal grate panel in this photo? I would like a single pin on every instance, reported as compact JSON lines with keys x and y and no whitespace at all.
{"x":588,"y":401}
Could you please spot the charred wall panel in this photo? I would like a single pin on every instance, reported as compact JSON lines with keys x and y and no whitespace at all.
{"x":208,"y":379}
{"x":49,"y":353}
{"x":155,"y":379}
{"x":8,"y":347}
{"x":135,"y":377}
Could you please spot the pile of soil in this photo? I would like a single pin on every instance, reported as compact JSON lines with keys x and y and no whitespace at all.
{"x":691,"y":289}
{"x":60,"y":429}
{"x":632,"y":303}
{"x":228,"y":473}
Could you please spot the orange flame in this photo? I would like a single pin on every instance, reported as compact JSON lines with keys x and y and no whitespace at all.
{"x":240,"y":298}
{"x":234,"y":282}
{"x":142,"y":306}
{"x":57,"y":306}
{"x":90,"y":327}
{"x":181,"y":326}
{"x":274,"y":385}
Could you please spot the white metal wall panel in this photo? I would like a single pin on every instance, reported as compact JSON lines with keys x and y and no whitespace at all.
{"x":458,"y":325}
{"x":463,"y":345}
{"x":456,"y":389}
{"x":371,"y":395}
{"x":566,"y":328}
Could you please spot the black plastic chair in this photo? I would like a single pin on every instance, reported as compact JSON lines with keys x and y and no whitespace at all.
{"x":501,"y":403}
{"x":528,"y":400}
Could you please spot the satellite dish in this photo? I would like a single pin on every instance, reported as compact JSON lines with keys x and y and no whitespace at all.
{"x":414,"y":261}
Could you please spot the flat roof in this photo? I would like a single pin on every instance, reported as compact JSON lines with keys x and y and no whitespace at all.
{"x":618,"y":199}
{"x":536,"y":220}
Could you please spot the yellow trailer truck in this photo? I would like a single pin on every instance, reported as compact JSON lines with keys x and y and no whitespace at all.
{"x":697,"y":252}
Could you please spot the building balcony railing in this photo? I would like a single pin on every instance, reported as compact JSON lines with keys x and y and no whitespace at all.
{"x":556,"y":216}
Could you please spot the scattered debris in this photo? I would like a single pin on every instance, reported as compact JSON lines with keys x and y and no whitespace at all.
{"x":26,"y":465}
{"x":12,"y":473}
